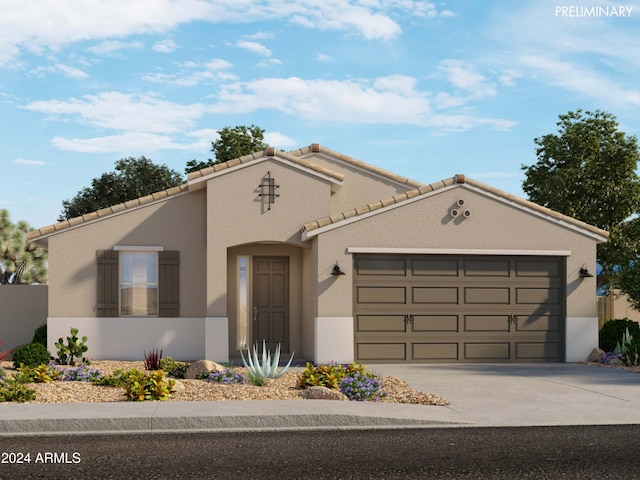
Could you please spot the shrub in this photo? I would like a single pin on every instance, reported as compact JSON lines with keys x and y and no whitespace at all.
{"x":152,"y":359}
{"x":362,"y":386}
{"x":117,"y":379}
{"x":140,"y":386}
{"x":629,"y":349}
{"x":81,"y":373}
{"x":613,"y":330}
{"x":40,"y":335}
{"x":173,"y":368}
{"x":12,"y":390}
{"x":328,"y":375}
{"x":226,"y":377}
{"x":3,"y":373}
{"x":75,"y":349}
{"x":40,"y":374}
{"x":31,"y":355}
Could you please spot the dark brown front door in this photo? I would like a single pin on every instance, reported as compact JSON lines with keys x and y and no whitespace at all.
{"x":271,"y":302}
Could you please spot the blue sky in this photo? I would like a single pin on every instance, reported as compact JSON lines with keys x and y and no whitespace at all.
{"x":424,"y":89}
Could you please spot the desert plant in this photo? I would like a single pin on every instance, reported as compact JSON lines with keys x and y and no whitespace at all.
{"x":613,"y":330}
{"x":226,"y":377}
{"x":3,"y":373}
{"x":257,"y":380}
{"x":327,"y":375}
{"x":75,"y":348}
{"x":43,"y":373}
{"x":81,"y":373}
{"x":362,"y":386}
{"x":4,"y":354}
{"x":40,"y":335}
{"x":142,"y":386}
{"x":628,"y":348}
{"x":12,"y":390}
{"x":117,"y":379}
{"x":174,"y":368}
{"x":31,"y":355}
{"x":268,"y":368}
{"x":152,"y":359}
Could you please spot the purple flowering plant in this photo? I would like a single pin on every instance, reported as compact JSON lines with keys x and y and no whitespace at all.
{"x":81,"y":373}
{"x":608,"y":357}
{"x":226,"y":377}
{"x":362,"y":386}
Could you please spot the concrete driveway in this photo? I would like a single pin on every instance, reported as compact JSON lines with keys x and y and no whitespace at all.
{"x":528,"y":394}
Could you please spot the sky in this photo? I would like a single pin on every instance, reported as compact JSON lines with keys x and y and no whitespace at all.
{"x":423,"y":89}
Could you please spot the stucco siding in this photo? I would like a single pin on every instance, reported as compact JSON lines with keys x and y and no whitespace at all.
{"x":23,"y":308}
{"x":177,"y":223}
{"x":427,"y":223}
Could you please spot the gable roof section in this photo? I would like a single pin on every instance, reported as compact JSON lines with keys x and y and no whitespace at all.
{"x":315,"y":148}
{"x":253,"y":158}
{"x":335,"y":221}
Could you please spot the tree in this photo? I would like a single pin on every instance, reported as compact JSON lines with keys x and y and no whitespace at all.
{"x":233,"y":142}
{"x":132,"y":178}
{"x":21,"y":262}
{"x":588,"y":171}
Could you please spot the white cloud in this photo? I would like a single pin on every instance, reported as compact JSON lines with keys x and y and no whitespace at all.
{"x":254,"y":47}
{"x":165,"y":46}
{"x":111,"y":46}
{"x":463,"y":76}
{"x":269,"y":62}
{"x":321,"y":57}
{"x":277,"y":139}
{"x":127,"y":112}
{"x":129,"y":143}
{"x":194,"y":73}
{"x":26,"y":161}
{"x":66,"y":70}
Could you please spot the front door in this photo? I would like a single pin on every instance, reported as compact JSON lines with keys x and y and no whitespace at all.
{"x":271,"y":302}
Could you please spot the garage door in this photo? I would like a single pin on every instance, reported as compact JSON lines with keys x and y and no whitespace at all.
{"x":426,"y":308}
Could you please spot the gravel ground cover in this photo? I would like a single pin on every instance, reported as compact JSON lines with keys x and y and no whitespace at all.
{"x":283,"y":388}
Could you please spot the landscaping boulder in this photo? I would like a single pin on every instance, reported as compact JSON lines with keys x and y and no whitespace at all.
{"x":595,"y":354}
{"x":322,"y":393}
{"x":179,"y":387}
{"x":202,"y":366}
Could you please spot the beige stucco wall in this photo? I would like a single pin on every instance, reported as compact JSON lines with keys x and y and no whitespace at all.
{"x":237,"y":216}
{"x":177,"y":223}
{"x":23,"y":308}
{"x":360,"y":187}
{"x":426,"y":223}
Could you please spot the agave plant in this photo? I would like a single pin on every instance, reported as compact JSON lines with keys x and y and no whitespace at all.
{"x":267,"y":368}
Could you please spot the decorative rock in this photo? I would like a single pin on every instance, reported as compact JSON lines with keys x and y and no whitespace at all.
{"x":595,"y":354}
{"x":179,"y":387}
{"x":202,"y":366}
{"x":322,"y":393}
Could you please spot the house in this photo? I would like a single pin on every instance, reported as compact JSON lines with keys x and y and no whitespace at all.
{"x":332,"y":258}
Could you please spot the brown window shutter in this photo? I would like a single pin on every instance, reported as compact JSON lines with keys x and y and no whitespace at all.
{"x":107,"y":304}
{"x":169,"y":283}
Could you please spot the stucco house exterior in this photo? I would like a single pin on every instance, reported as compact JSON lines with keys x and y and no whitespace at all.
{"x":332,"y":258}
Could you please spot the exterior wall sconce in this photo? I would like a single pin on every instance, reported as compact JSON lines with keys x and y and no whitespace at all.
{"x":336,"y":270}
{"x":268,"y":189}
{"x":584,"y":272}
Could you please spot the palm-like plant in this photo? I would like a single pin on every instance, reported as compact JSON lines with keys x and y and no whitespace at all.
{"x":21,"y":262}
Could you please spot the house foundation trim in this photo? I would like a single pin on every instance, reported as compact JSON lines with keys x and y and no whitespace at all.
{"x":459,"y":251}
{"x":581,"y":338}
{"x":333,"y":340}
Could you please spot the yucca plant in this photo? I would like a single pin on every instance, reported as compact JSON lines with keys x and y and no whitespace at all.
{"x":268,"y":367}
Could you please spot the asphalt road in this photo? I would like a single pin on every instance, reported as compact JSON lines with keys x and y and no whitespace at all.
{"x":591,"y":452}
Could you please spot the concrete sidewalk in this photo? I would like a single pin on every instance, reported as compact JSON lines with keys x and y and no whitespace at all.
{"x":480,"y":395}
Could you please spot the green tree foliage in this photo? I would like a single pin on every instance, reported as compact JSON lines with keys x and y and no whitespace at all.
{"x":233,"y":142}
{"x":21,"y":262}
{"x":588,"y":171}
{"x":132,"y":178}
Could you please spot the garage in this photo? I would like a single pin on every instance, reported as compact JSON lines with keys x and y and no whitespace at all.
{"x":458,"y":308}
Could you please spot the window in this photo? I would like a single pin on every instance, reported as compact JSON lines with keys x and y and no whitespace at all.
{"x":139,"y":283}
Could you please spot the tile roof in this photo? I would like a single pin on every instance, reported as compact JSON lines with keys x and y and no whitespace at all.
{"x":316,"y":148}
{"x":458,"y":179}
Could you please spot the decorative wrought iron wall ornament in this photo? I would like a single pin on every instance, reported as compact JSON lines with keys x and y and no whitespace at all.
{"x":268,"y":189}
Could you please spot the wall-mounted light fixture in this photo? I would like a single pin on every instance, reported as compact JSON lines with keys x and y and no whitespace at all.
{"x":584,"y":272}
{"x":336,"y":270}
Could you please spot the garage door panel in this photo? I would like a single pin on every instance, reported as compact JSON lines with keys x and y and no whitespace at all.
{"x":486,"y":323}
{"x":487,"y":351}
{"x":550,"y":351}
{"x":538,"y":296}
{"x":538,"y":323}
{"x":487,"y":268}
{"x":435,"y":351}
{"x":381,"y":266}
{"x":381,"y":351}
{"x":434,"y":267}
{"x":435,"y":323}
{"x":434,"y":295}
{"x":381,"y":295}
{"x":380,"y":323}
{"x":537,"y":268}
{"x":487,"y":295}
